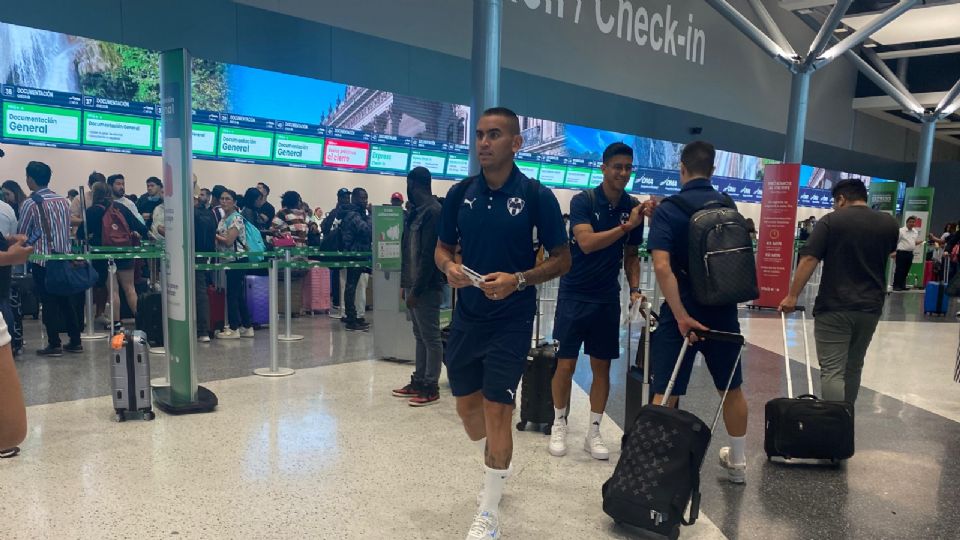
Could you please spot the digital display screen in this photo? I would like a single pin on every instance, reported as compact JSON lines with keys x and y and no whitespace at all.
{"x":529,"y":169}
{"x":41,"y":123}
{"x":347,"y":154}
{"x":553,"y":175}
{"x":458,"y":166}
{"x":435,"y":162}
{"x":245,"y":144}
{"x":298,"y":149}
{"x":578,"y":177}
{"x":389,"y":158}
{"x":204,"y":139}
{"x":118,"y":131}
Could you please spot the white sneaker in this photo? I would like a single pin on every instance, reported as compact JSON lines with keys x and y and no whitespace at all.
{"x":594,"y":446}
{"x":246,"y":332}
{"x":228,"y":334}
{"x":736,"y":472}
{"x":558,"y":440}
{"x":204,"y":339}
{"x":336,"y":314}
{"x":486,"y":526}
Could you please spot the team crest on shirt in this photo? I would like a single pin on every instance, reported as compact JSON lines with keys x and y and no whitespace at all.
{"x":515,"y":205}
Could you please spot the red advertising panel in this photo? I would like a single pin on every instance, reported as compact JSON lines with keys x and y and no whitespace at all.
{"x":778,"y":216}
{"x":347,"y":154}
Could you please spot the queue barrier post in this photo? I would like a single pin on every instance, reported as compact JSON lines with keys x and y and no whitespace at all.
{"x":274,"y":370}
{"x":286,"y":292}
{"x":163,"y":381}
{"x":91,"y":333}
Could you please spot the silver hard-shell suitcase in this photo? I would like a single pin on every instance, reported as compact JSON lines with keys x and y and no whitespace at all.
{"x":130,"y":376}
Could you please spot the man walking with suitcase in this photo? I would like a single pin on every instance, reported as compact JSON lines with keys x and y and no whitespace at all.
{"x":682,"y":315}
{"x":854,"y":242}
{"x":492,"y":216}
{"x":607,"y":228}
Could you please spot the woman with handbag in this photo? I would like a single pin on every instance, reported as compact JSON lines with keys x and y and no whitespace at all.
{"x":232,"y":239}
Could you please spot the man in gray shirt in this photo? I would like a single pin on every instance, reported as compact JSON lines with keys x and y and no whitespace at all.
{"x":854,"y":242}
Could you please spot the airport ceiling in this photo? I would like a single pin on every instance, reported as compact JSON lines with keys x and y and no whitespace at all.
{"x":921,"y":48}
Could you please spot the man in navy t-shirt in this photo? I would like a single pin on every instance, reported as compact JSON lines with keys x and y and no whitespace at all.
{"x":491,"y":217}
{"x":607,"y":228}
{"x":681,"y":313}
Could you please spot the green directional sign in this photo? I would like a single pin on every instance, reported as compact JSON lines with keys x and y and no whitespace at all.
{"x":118,"y":131}
{"x":41,"y":123}
{"x":298,"y":149}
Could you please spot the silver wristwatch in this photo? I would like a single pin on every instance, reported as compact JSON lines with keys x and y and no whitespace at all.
{"x":521,"y":281}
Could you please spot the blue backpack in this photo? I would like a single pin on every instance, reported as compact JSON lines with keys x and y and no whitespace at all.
{"x":254,"y":243}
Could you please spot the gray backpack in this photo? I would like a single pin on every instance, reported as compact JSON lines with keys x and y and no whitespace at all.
{"x":720,"y":261}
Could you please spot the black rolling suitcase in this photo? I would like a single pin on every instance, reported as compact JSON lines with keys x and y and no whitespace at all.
{"x":806,"y":427}
{"x":130,"y":376}
{"x":536,"y":387}
{"x":150,"y":317}
{"x":658,"y":473}
{"x":22,"y":293}
{"x":638,"y":369}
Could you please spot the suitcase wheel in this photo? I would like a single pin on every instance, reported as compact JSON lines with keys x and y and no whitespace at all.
{"x":120,"y":417}
{"x":522,"y":425}
{"x":149,"y":415}
{"x":547,"y":429}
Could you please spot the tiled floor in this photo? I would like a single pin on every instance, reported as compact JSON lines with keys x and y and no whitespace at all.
{"x":328,"y":453}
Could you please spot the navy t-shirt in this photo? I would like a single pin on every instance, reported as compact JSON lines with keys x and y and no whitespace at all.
{"x":594,"y":277}
{"x":494,"y":229}
{"x":669,"y":231}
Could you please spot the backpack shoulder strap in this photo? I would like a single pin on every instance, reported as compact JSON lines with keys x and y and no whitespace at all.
{"x":592,"y":197}
{"x":688,"y":208}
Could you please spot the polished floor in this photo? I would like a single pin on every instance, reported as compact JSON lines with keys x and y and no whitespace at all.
{"x":329,"y":453}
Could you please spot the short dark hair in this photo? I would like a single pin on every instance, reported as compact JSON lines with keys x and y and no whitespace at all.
{"x":95,"y":177}
{"x":155,"y":180}
{"x":698,"y":158}
{"x":912,"y":217}
{"x":73,"y":193}
{"x":232,"y":193}
{"x":617,"y":149}
{"x":250,"y":198}
{"x":357,"y":192}
{"x":291,"y":200}
{"x":852,"y":189}
{"x":265,"y":187}
{"x":114,"y":177}
{"x":40,"y":173}
{"x":504,"y":112}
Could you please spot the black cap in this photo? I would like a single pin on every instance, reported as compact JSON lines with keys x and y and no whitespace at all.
{"x":419,"y":175}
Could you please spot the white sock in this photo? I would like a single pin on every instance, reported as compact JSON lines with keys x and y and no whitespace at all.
{"x":559,"y":415}
{"x":493,"y":482}
{"x":595,"y":419}
{"x":737,"y":450}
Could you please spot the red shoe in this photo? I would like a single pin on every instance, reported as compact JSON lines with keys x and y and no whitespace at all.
{"x":427,"y":396}
{"x":408,"y":391}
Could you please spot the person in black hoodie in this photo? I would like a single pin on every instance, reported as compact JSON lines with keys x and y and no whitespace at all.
{"x":204,"y":240}
{"x":357,"y":235}
{"x":422,"y":283}
{"x":329,"y":227}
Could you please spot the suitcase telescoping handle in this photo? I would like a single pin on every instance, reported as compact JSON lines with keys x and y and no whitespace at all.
{"x":714,"y":335}
{"x":786,"y":351}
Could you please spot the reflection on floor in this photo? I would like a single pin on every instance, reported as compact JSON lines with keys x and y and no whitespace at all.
{"x":327,"y":453}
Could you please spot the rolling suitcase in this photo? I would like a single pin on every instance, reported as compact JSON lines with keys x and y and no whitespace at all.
{"x":935,"y":298}
{"x":806,"y":427}
{"x":296,"y":296}
{"x":218,"y":311}
{"x":536,"y":390}
{"x":658,"y":473}
{"x":130,"y":376}
{"x":316,"y":290}
{"x":149,"y":317}
{"x":22,"y":290}
{"x":258,"y":299}
{"x":638,"y":371}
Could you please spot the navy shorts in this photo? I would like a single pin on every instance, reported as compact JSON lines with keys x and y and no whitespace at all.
{"x":490,"y":359}
{"x":594,"y":326}
{"x":665,"y":344}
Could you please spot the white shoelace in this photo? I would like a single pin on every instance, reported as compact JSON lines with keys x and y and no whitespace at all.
{"x":481,"y":524}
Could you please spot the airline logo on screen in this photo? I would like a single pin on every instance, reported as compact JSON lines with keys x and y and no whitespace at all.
{"x":633,"y":22}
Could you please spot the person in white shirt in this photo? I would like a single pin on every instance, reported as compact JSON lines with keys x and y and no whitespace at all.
{"x":909,"y":240}
{"x":8,"y":220}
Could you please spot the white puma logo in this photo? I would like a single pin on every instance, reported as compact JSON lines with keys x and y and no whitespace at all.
{"x":598,"y":215}
{"x":512,"y":394}
{"x":469,"y":202}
